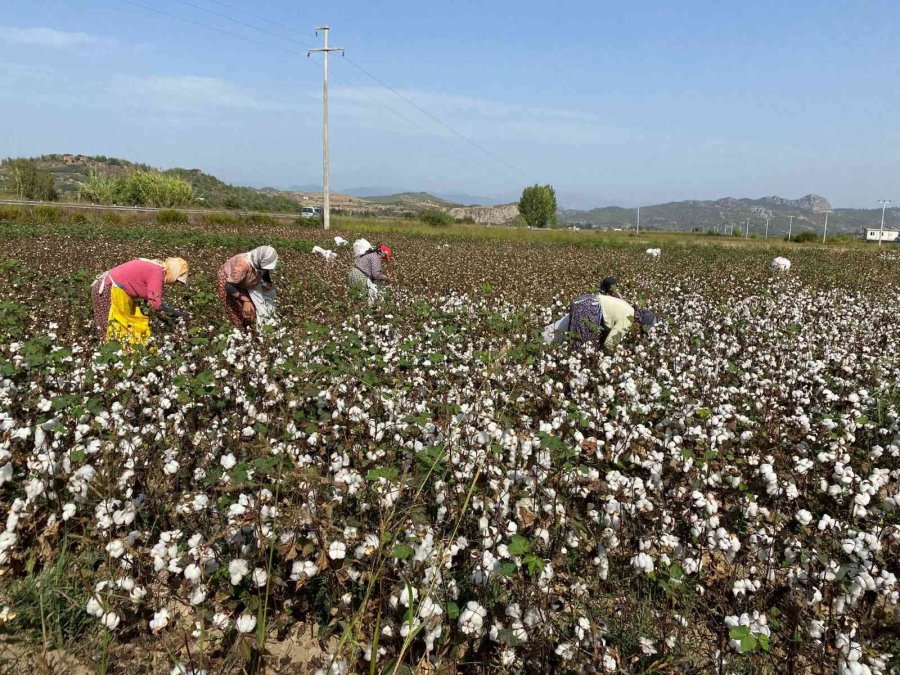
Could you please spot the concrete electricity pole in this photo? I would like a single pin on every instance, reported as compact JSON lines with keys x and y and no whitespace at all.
{"x":747,"y":231}
{"x":884,"y":203}
{"x":767,"y":228}
{"x":825,"y":232}
{"x":790,"y":227}
{"x":639,"y":220}
{"x":326,"y":202}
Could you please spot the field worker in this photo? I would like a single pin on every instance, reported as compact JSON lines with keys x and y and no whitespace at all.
{"x":605,"y":320}
{"x":366,"y":276}
{"x":114,"y":292}
{"x":244,"y":284}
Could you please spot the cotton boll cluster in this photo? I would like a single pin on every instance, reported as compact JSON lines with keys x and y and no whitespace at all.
{"x":510,"y":497}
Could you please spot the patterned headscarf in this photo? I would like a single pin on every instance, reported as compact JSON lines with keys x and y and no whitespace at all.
{"x":645,"y":318}
{"x":263,"y":258}
{"x":176,"y":270}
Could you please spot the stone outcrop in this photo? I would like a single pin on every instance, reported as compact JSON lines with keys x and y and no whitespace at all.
{"x":486,"y":215}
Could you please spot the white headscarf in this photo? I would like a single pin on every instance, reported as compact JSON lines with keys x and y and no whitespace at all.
{"x":361,"y":247}
{"x":263,"y":258}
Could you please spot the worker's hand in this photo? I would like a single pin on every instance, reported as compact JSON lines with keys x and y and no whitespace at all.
{"x":170,"y":311}
{"x":247,"y":309}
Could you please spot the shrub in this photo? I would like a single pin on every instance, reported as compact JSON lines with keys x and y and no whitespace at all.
{"x":220,"y":219}
{"x":259,"y":219}
{"x":142,"y":188}
{"x":10,"y":213}
{"x":46,"y":214}
{"x":805,"y":237}
{"x":112,"y":218}
{"x":171,"y":217}
{"x":436,"y":218}
{"x":77,"y":218}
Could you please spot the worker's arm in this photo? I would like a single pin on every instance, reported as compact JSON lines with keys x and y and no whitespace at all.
{"x":155,"y":289}
{"x":617,"y":331}
{"x":377,"y":275}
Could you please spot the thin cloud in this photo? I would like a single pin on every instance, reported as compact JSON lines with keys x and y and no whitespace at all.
{"x":50,"y":38}
{"x":481,"y":118}
{"x":192,"y":93}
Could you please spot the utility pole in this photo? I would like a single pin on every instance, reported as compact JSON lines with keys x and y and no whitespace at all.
{"x":790,"y":227}
{"x":825,"y":232}
{"x":326,"y":195}
{"x":639,"y":221}
{"x":767,"y":227}
{"x":747,"y":231}
{"x":884,"y":203}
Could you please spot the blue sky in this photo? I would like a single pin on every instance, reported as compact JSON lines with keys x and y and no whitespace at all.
{"x":612,"y":103}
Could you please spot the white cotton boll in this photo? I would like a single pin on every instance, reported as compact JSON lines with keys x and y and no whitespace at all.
{"x":471,"y":618}
{"x":198,"y":595}
{"x":111,"y":620}
{"x":305,"y":569}
{"x":337,"y":550}
{"x":171,"y":467}
{"x":228,"y":461}
{"x":248,"y":432}
{"x":68,"y":511}
{"x":643,"y":562}
{"x":160,"y":620}
{"x":245,"y":623}
{"x":115,"y":548}
{"x":94,"y":608}
{"x":804,"y":517}
{"x":6,"y":472}
{"x":192,"y":573}
{"x":259,"y":577}
{"x":238,"y":569}
{"x":221,"y":621}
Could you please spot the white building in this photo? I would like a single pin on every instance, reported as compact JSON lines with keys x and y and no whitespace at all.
{"x":886,"y":235}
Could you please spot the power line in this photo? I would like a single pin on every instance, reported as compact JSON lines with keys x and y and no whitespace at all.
{"x":208,"y":27}
{"x":357,"y":66}
{"x":281,"y":36}
{"x":428,"y":114}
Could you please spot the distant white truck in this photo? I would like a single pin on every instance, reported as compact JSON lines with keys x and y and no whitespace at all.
{"x":885,"y":235}
{"x":311,"y":212}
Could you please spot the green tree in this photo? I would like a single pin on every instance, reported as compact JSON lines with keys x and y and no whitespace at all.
{"x":29,"y":182}
{"x":538,"y":206}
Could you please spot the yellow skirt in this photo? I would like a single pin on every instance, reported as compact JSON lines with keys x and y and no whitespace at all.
{"x":126,"y":324}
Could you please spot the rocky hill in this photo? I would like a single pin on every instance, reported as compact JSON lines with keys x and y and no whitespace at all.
{"x":723,"y":214}
{"x":486,"y":215}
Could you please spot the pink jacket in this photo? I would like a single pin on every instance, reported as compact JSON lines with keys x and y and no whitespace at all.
{"x":141,"y":280}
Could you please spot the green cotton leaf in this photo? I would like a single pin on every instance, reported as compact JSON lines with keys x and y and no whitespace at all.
{"x":862,"y":419}
{"x":675,"y":571}
{"x":748,"y":644}
{"x":78,"y":456}
{"x":402,"y":552}
{"x":764,"y":642}
{"x":738,"y":632}
{"x":508,"y":637}
{"x":452,"y":611}
{"x":509,"y":569}
{"x":389,"y":473}
{"x":519,"y":545}
{"x":533,"y":564}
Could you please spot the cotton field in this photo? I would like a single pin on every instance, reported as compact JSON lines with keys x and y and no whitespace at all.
{"x":421,"y":483}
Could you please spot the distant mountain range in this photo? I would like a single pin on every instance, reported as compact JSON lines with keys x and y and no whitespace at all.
{"x":720,"y":215}
{"x":730,"y":213}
